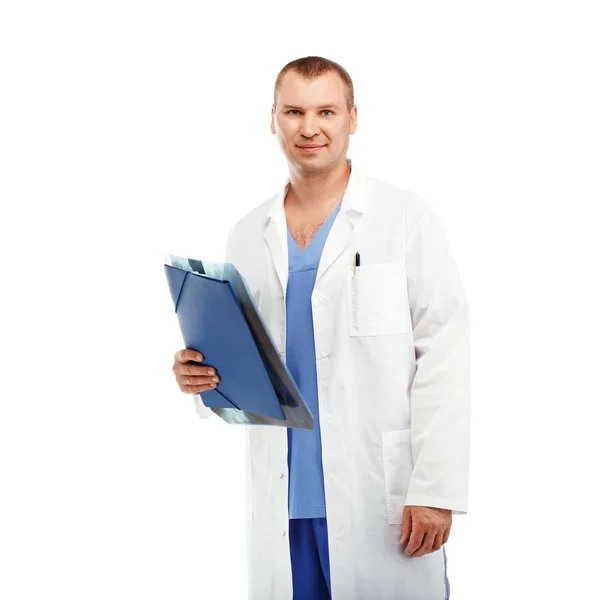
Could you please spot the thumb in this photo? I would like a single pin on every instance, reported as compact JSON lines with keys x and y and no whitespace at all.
{"x":406,"y":525}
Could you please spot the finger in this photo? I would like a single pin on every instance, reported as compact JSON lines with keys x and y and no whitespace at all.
{"x":415,"y":541}
{"x":446,"y":536}
{"x":437,"y":542}
{"x":406,"y":525}
{"x":195,"y":370}
{"x":188,"y":354}
{"x":190,"y":380}
{"x":406,"y":531}
{"x":426,"y":545}
{"x":196,"y":389}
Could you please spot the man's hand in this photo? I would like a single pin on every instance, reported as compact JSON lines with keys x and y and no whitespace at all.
{"x":428,"y":529}
{"x":191,"y":377}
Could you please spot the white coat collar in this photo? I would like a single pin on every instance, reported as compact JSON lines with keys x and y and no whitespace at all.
{"x":352,"y":200}
{"x":339,"y":237}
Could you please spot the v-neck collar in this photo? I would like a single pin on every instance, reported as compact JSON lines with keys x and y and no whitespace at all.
{"x":318,"y":232}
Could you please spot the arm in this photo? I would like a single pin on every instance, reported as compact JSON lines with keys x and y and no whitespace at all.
{"x":440,"y":390}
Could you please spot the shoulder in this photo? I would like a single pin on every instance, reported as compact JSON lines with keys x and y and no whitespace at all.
{"x":393,"y":200}
{"x":251,"y":222}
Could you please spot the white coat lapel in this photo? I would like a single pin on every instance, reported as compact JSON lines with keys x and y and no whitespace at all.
{"x":339,"y":236}
{"x":346,"y":221}
{"x":276,"y":236}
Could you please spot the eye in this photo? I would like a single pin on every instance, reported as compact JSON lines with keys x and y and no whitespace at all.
{"x":295,"y":110}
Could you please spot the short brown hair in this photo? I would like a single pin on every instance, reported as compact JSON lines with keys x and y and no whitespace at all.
{"x":311,"y":67}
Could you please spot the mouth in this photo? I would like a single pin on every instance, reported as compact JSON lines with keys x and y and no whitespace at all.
{"x":310,"y":148}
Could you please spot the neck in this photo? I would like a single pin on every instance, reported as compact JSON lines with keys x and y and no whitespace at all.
{"x":315,"y":192}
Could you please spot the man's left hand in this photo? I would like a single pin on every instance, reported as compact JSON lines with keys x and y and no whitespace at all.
{"x":426,"y":529}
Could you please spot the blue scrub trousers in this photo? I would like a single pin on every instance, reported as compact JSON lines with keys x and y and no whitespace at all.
{"x":309,"y":555}
{"x":309,"y":552}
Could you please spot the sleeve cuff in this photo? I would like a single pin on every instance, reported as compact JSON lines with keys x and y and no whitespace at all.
{"x":202,"y":411}
{"x":457,"y":507}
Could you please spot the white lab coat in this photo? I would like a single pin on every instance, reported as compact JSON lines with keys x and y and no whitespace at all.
{"x":392,"y":358}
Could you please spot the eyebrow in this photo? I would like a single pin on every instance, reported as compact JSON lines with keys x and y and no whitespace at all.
{"x":300,"y":108}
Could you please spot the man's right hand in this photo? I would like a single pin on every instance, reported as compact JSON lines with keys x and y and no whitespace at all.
{"x":193,"y":378}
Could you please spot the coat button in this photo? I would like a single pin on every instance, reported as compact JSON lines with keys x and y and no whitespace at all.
{"x":281,"y":476}
{"x":283,"y":533}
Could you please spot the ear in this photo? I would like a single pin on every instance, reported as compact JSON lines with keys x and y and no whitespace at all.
{"x":273,"y":119}
{"x":353,"y":119}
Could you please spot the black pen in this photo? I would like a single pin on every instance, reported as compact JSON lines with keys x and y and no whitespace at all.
{"x":356,"y":262}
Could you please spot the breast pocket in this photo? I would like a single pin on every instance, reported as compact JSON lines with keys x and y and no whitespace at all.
{"x":397,"y":470}
{"x":377,"y":301}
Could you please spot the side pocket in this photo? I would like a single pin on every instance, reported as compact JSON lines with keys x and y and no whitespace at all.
{"x":397,"y":470}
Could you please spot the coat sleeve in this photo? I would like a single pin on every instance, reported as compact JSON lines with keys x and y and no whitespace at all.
{"x":440,"y":390}
{"x":203,"y":411}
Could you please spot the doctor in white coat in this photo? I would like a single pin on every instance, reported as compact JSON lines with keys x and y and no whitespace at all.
{"x":391,"y":345}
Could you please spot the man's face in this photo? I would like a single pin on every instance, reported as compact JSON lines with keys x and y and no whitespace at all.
{"x":313,"y":113}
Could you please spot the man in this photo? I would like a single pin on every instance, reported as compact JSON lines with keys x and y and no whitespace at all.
{"x":380,"y":352}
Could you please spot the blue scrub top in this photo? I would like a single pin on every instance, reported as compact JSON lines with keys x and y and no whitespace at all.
{"x":306,"y":485}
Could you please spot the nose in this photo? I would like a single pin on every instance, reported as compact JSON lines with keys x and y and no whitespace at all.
{"x":309,"y":126}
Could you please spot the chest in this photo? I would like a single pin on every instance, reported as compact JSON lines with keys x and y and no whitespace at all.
{"x":303,"y":230}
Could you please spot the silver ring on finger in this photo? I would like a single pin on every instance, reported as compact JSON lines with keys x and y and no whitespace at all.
{"x":187,"y":381}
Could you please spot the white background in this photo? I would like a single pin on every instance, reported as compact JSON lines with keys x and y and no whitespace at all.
{"x":129,"y":129}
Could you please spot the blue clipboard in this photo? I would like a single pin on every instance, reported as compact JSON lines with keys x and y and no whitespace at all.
{"x":218,"y":317}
